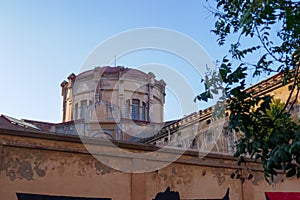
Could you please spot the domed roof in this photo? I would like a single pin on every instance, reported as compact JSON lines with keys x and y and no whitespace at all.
{"x":86,"y":73}
{"x":108,"y":69}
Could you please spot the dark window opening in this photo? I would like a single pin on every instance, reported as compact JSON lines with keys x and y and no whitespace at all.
{"x":76,"y":111}
{"x":23,"y":196}
{"x":109,"y":108}
{"x":135,"y":109}
{"x":83,"y":109}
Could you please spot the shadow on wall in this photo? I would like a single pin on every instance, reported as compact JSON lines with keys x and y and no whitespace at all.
{"x":171,"y":195}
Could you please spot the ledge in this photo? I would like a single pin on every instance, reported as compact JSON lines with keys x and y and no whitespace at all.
{"x":188,"y":157}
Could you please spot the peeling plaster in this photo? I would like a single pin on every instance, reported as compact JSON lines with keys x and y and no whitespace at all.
{"x":35,"y":164}
{"x":177,"y":176}
{"x":16,"y":168}
{"x":102,"y":169}
{"x":257,"y":178}
{"x":220,"y":175}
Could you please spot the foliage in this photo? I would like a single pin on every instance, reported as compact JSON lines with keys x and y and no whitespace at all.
{"x":268,"y":32}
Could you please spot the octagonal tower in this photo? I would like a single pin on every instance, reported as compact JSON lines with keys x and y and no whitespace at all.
{"x":117,"y":102}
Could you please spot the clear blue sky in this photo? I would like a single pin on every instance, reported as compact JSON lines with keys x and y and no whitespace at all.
{"x":42,"y":42}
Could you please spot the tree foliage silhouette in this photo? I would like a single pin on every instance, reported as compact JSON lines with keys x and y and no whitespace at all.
{"x":263,"y":37}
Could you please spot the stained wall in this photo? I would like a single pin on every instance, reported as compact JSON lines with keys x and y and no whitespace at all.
{"x":61,"y":165}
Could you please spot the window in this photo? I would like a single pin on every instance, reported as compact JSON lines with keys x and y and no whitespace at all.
{"x":209,"y":137}
{"x":144,"y":112}
{"x":135,"y":115}
{"x":22,"y":196}
{"x":76,"y":111}
{"x":109,"y":108}
{"x":83,"y":109}
{"x":127,"y":108}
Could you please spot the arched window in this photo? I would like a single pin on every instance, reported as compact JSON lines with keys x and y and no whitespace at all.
{"x":109,"y":108}
{"x":83,"y":109}
{"x":135,"y":109}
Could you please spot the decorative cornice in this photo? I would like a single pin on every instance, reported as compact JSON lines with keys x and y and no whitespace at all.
{"x":260,"y":88}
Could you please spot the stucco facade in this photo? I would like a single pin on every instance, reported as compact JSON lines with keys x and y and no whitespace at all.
{"x":199,"y":131}
{"x":59,"y":165}
{"x":117,"y":101}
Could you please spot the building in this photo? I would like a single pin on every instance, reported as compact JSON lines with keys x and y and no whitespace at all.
{"x":199,"y":131}
{"x":42,"y":160}
{"x":39,"y":165}
{"x":117,"y":102}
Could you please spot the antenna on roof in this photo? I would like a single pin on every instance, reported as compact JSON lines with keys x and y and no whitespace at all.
{"x":115,"y":61}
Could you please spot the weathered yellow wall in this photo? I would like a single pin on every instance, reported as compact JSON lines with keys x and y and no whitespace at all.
{"x":60,"y":165}
{"x":58,"y":173}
